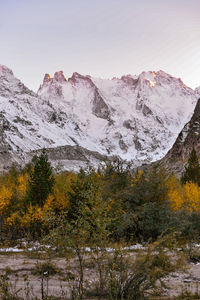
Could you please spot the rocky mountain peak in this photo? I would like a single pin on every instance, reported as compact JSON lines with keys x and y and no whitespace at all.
{"x":129,"y":79}
{"x":152,"y":80}
{"x":76,"y":78}
{"x":59,"y":76}
{"x":47,"y":78}
{"x":5,"y":72}
{"x":147,"y":80}
{"x":53,"y":86}
{"x":10,"y":86}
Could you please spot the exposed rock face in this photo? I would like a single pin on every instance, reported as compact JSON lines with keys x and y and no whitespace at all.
{"x":47,"y":78}
{"x":5,"y":72}
{"x":100,"y":108}
{"x":187,"y":139}
{"x":72,"y":157}
{"x":135,"y":117}
{"x":59,"y":76}
{"x":5,"y":148}
{"x":197,"y":92}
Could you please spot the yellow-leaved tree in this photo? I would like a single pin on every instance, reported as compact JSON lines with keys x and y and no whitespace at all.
{"x":192,"y":196}
{"x":58,"y":200}
{"x":5,"y":197}
{"x":186,"y":197}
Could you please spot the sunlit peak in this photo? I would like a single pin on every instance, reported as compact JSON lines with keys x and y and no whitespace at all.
{"x":152,"y":84}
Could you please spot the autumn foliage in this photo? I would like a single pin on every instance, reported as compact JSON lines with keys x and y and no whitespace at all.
{"x":137,"y":206}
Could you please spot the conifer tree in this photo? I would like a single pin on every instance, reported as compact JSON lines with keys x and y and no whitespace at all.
{"x":192,"y":171}
{"x":83,"y":193}
{"x":41,"y":180}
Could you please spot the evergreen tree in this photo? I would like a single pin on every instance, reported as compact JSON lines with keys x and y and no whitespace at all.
{"x":192,"y":171}
{"x":84,"y":191}
{"x":146,"y":210}
{"x":41,"y":180}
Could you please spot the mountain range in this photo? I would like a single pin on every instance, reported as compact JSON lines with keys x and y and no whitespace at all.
{"x":83,"y":120}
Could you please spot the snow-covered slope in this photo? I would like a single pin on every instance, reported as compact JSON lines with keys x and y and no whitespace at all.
{"x":29,"y":123}
{"x":135,"y":117}
{"x":27,"y":120}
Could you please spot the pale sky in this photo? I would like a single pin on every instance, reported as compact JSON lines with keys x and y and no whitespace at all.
{"x":101,"y":38}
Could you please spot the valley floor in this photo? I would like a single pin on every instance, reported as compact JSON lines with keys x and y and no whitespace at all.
{"x":23,"y":280}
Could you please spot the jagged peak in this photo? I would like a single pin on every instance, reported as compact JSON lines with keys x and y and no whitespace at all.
{"x":47,"y":78}
{"x":5,"y":71}
{"x":146,"y":81}
{"x":160,"y":77}
{"x":59,"y":76}
{"x":162,"y":74}
{"x":76,"y":74}
{"x":147,"y":78}
{"x":159,"y":73}
{"x":129,"y":79}
{"x":150,"y":75}
{"x":76,"y":77}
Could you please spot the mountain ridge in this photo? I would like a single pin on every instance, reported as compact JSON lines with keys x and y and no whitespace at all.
{"x":133,"y":117}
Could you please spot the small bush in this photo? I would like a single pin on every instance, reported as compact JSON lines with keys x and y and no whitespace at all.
{"x":45,"y":269}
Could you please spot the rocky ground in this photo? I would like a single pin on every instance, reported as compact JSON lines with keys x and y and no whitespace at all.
{"x":24,"y":278}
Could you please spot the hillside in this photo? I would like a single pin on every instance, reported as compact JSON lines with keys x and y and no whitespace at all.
{"x":188,"y":138}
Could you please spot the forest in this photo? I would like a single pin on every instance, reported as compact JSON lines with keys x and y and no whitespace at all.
{"x":112,"y":207}
{"x":134,"y":207}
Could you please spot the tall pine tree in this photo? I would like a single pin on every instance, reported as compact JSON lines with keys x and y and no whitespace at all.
{"x":41,"y":180}
{"x":192,"y":171}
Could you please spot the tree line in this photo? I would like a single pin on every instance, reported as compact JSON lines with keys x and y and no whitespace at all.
{"x":131,"y":207}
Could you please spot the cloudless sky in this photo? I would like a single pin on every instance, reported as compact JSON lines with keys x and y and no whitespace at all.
{"x":102,"y":38}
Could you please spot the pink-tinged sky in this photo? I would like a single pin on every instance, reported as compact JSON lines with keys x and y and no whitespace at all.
{"x":103,"y":38}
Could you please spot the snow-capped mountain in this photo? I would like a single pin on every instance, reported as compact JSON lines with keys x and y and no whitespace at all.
{"x":135,"y":117}
{"x":29,"y":123}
